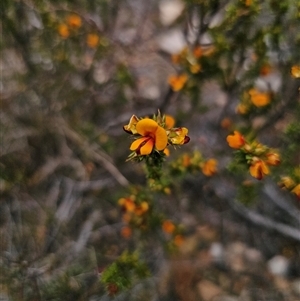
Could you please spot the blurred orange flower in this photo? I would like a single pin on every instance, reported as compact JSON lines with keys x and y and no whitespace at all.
{"x":63,"y":30}
{"x":210,"y":167}
{"x":287,"y":182}
{"x":92,"y":40}
{"x":127,"y":204}
{"x":153,"y":136}
{"x":236,"y":140}
{"x":258,"y":168}
{"x":259,"y":99}
{"x":273,"y":159}
{"x":177,"y":82}
{"x":296,"y":190}
{"x":126,"y":232}
{"x":168,"y":227}
{"x":169,"y":122}
{"x":195,"y":68}
{"x":178,"y":240}
{"x":74,"y":21}
{"x":197,"y":52}
{"x":141,"y":209}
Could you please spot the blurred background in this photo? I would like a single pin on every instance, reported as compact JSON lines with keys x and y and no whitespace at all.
{"x":72,"y":75}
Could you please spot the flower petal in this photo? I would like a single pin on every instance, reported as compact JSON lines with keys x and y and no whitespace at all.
{"x":161,"y":139}
{"x":146,"y":148}
{"x":137,"y":143}
{"x":146,"y":126}
{"x":170,"y":122}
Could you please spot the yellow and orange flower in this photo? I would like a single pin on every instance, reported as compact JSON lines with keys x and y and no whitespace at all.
{"x":296,"y":190}
{"x":258,"y":169}
{"x":92,"y":40}
{"x":74,"y":21}
{"x":273,"y":159}
{"x":287,"y":182}
{"x":168,"y":227}
{"x":177,"y":82}
{"x":127,"y":204}
{"x":131,"y":127}
{"x":259,"y":99}
{"x":153,"y":136}
{"x":179,"y":136}
{"x":236,"y":140}
{"x":209,"y":168}
{"x":141,"y":209}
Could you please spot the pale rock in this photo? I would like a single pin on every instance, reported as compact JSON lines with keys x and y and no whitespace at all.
{"x":278,"y":265}
{"x":208,"y":290}
{"x":296,"y":287}
{"x":172,"y":41}
{"x":235,"y":256}
{"x":217,"y":252}
{"x":169,"y":11}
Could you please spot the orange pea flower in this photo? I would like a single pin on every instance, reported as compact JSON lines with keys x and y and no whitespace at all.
{"x":273,"y":159}
{"x":236,"y":140}
{"x":177,"y":82}
{"x":258,"y":168}
{"x":168,"y":227}
{"x":92,"y":40}
{"x":296,"y":190}
{"x":141,"y":209}
{"x":210,"y":167}
{"x":259,"y":99}
{"x":153,"y":136}
{"x":74,"y":21}
{"x":127,"y":204}
{"x":63,"y":30}
{"x":287,"y":182}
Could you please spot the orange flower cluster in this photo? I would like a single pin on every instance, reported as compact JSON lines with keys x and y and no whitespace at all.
{"x":134,"y":214}
{"x":190,"y":61}
{"x":170,"y":229}
{"x":289,"y":184}
{"x":255,"y":98}
{"x":192,"y":163}
{"x":257,"y":156}
{"x":154,"y":135}
{"x":72,"y":23}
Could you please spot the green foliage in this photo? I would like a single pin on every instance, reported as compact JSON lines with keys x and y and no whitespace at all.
{"x":124,"y":272}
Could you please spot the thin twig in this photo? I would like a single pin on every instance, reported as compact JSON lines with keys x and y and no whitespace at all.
{"x":264,"y":221}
